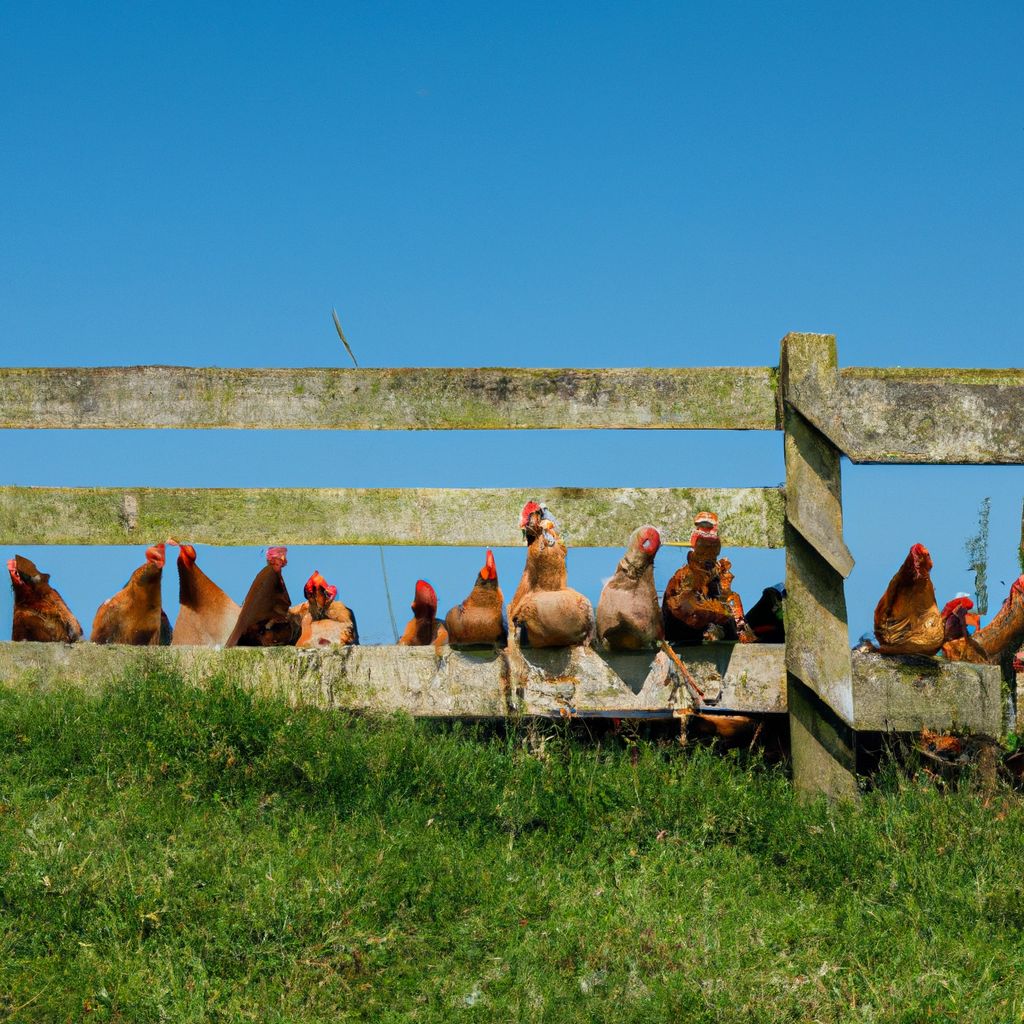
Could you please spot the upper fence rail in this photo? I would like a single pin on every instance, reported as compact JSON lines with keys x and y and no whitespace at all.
{"x":147,"y":397}
{"x":873,"y":415}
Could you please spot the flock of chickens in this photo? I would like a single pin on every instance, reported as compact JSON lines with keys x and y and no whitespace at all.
{"x":908,"y":620}
{"x":699,"y":603}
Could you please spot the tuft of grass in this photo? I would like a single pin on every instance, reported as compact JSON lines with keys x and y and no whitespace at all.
{"x":176,"y":854}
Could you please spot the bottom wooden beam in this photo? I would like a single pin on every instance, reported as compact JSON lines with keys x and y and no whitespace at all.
{"x":564,"y":682}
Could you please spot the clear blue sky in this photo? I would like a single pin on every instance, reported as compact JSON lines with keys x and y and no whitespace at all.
{"x":537,"y":185}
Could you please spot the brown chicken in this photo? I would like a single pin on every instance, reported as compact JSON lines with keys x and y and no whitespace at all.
{"x":733,"y":602}
{"x":265,"y":619}
{"x":134,"y":615}
{"x":907,"y":619}
{"x":547,"y":613}
{"x":423,"y":628}
{"x":692,"y":607}
{"x":1000,"y":639}
{"x":40,"y":613}
{"x":324,"y":621}
{"x":546,"y":566}
{"x":206,"y":615}
{"x":628,"y":614}
{"x":480,"y":619}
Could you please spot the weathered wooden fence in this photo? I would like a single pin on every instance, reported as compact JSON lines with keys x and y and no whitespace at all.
{"x":870,"y":415}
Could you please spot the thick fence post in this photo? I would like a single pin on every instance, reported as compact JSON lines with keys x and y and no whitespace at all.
{"x":818,"y":663}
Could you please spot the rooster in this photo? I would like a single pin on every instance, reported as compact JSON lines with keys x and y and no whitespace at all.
{"x":134,"y":614}
{"x":957,"y":617}
{"x":206,"y":615}
{"x":324,"y":621}
{"x":480,"y":619}
{"x":265,"y":619}
{"x":548,"y":613}
{"x":907,"y":619}
{"x":40,"y":613}
{"x":1000,"y":639}
{"x":423,"y":628}
{"x":628,"y":615}
{"x":692,"y":607}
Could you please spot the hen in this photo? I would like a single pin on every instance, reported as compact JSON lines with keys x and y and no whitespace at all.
{"x":40,"y":613}
{"x":480,"y":619}
{"x":692,"y":607}
{"x":265,"y":619}
{"x":423,"y":628}
{"x":324,"y":620}
{"x":545,"y":611}
{"x":206,"y":615}
{"x":134,"y":614}
{"x":628,"y":614}
{"x":907,"y":619}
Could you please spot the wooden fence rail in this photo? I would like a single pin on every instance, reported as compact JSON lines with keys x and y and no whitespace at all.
{"x":867,"y":414}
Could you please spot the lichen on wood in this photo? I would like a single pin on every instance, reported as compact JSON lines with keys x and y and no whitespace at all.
{"x":723,"y":398}
{"x":478,"y":517}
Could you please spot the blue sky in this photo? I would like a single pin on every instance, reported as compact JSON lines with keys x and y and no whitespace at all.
{"x":590,"y":185}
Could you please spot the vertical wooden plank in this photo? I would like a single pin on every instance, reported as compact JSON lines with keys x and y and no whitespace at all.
{"x":818,"y":664}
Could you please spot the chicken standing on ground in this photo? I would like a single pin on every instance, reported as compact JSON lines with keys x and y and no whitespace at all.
{"x":1000,"y":640}
{"x":628,"y":614}
{"x":423,"y":628}
{"x":265,"y":619}
{"x":545,"y":611}
{"x":134,"y":614}
{"x":480,"y":619}
{"x":206,"y":615}
{"x":40,"y":613}
{"x":324,"y":621}
{"x":907,"y":619}
{"x":692,"y":607}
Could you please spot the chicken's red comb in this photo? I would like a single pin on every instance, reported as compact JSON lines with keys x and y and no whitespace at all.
{"x":528,"y":510}
{"x":12,"y":566}
{"x":648,"y":539}
{"x":186,"y":553}
{"x":490,"y":570}
{"x":957,"y":603}
{"x":316,"y":580}
{"x":157,"y":554}
{"x":278,"y":554}
{"x":425,"y":594}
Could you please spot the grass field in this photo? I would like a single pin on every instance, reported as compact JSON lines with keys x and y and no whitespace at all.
{"x":168,"y":854}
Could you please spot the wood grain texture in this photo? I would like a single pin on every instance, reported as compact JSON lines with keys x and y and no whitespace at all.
{"x":731,"y":398}
{"x":590,"y":517}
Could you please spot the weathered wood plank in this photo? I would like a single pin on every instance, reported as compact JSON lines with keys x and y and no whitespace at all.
{"x":731,"y":398}
{"x":820,"y":687}
{"x":906,"y":694}
{"x":388,"y":679}
{"x":941,"y":416}
{"x":478,"y":517}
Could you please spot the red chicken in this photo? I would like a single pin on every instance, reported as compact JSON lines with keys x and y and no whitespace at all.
{"x":423,"y":628}
{"x":265,"y":619}
{"x":134,"y":614}
{"x":206,"y":615}
{"x":628,"y":614}
{"x":324,"y":620}
{"x":545,"y":611}
{"x":692,"y":606}
{"x":480,"y":619}
{"x":40,"y":613}
{"x":1000,"y":639}
{"x":907,"y":619}
{"x":957,"y":617}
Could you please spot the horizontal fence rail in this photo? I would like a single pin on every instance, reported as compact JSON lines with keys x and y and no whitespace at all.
{"x":711,"y":398}
{"x":590,"y":517}
{"x":920,"y":416}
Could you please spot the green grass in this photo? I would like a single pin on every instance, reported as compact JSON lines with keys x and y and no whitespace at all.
{"x":168,"y":854}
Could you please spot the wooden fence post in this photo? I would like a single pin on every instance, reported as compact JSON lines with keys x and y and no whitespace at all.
{"x":818,"y":663}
